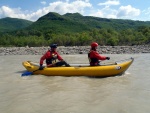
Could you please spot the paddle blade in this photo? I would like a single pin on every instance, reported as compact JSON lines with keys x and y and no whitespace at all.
{"x":27,"y":73}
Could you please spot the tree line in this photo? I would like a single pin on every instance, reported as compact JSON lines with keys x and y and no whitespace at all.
{"x":110,"y":37}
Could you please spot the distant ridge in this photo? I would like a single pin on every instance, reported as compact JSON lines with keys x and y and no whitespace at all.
{"x":75,"y":22}
{"x":68,"y":23}
{"x":10,"y":24}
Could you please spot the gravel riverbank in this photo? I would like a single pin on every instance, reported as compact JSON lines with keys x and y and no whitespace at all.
{"x":75,"y":50}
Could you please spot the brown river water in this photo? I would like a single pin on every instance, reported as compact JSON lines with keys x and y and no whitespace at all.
{"x":129,"y":93}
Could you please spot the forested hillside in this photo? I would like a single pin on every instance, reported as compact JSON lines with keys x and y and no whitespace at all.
{"x":76,"y":23}
{"x":75,"y":29}
{"x":11,"y":24}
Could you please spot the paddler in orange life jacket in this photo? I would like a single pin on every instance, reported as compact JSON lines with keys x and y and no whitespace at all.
{"x":51,"y":57}
{"x":94,"y":56}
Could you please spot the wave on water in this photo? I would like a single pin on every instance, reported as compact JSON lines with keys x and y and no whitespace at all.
{"x":127,"y":73}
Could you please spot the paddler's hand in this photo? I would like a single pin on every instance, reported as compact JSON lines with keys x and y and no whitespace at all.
{"x":41,"y":67}
{"x":107,"y":58}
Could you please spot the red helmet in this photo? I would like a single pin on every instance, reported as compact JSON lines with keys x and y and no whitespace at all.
{"x":94,"y":44}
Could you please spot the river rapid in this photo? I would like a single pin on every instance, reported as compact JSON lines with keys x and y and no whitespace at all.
{"x":129,"y":93}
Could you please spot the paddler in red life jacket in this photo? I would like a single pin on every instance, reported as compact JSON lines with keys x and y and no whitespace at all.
{"x":94,"y":56}
{"x":51,"y":57}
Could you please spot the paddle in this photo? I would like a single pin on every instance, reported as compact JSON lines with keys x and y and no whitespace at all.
{"x":27,"y":73}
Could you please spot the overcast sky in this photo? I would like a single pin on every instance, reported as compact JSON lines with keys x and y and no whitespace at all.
{"x":118,"y":9}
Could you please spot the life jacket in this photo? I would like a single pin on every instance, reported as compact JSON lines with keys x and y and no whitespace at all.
{"x":53,"y":58}
{"x":93,"y":61}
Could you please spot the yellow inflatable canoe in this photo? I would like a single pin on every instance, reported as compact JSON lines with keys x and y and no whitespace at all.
{"x":107,"y":70}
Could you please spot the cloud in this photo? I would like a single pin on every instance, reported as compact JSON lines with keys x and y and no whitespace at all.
{"x":146,"y":11}
{"x":8,"y":12}
{"x":73,"y":7}
{"x":123,"y":12}
{"x":98,"y":13}
{"x":58,"y":6}
{"x":43,"y":2}
{"x":127,"y":12}
{"x":105,"y":12}
{"x":80,"y":6}
{"x":110,"y":2}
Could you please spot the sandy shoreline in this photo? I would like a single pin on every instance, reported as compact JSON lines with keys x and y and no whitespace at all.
{"x":75,"y":50}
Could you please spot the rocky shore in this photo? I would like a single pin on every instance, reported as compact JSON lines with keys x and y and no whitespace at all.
{"x":75,"y":50}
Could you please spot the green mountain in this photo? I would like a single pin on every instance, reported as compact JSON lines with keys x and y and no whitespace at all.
{"x":75,"y":23}
{"x":68,"y":23}
{"x":58,"y":24}
{"x":96,"y":22}
{"x":11,"y":24}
